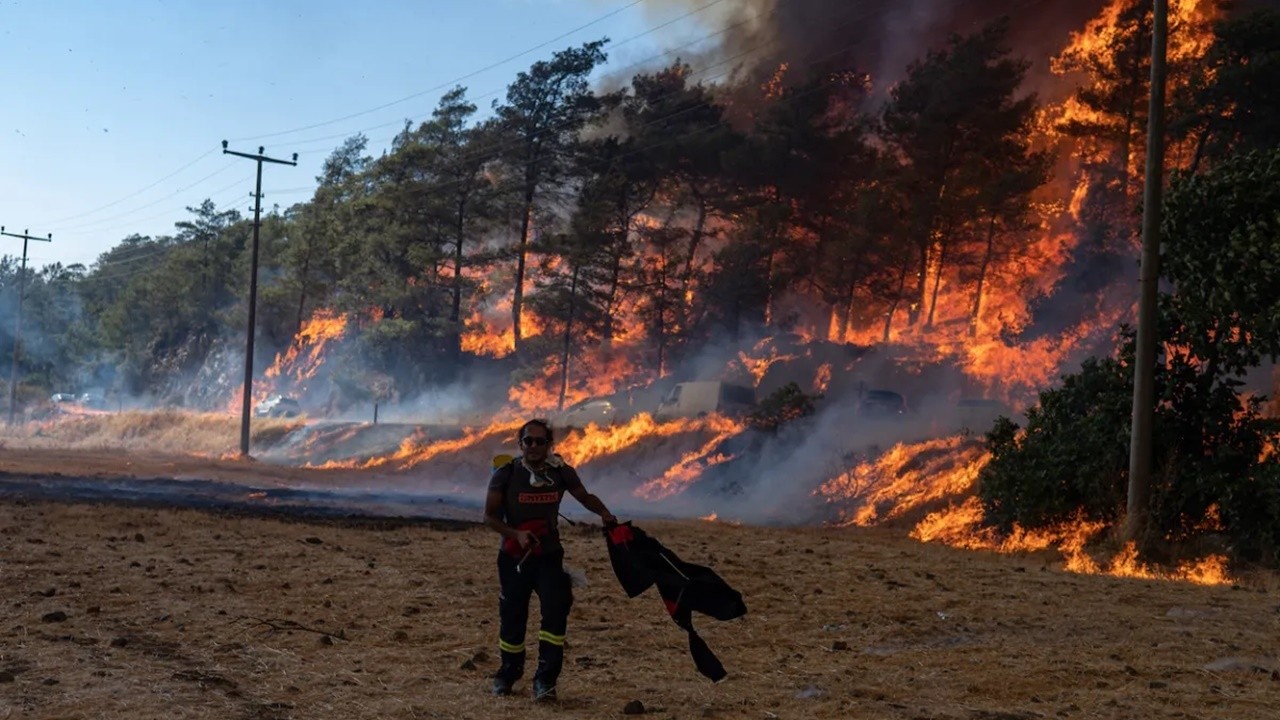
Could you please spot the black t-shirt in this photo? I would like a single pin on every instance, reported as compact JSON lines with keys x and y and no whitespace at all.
{"x":527,"y":497}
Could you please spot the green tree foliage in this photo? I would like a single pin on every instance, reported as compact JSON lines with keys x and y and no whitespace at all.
{"x":545,"y":109}
{"x":1221,"y":251}
{"x":782,"y":406}
{"x":322,"y":238}
{"x":1222,"y":234}
{"x":161,"y":304}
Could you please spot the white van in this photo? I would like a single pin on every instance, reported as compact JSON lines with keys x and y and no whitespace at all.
{"x":696,"y":399}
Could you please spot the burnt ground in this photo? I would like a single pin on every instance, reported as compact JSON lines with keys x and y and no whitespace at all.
{"x":113,"y":610}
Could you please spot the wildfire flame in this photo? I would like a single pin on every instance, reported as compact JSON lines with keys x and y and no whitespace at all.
{"x":676,"y":479}
{"x":910,"y":478}
{"x":419,"y":448}
{"x":758,"y":366}
{"x":307,"y":351}
{"x":596,"y":442}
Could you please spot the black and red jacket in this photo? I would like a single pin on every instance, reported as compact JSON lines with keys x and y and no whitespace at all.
{"x":639,"y":561}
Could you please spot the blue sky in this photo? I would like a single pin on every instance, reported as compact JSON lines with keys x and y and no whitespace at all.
{"x":115,"y":111}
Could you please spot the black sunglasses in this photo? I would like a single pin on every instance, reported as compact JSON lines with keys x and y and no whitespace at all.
{"x":529,"y":441}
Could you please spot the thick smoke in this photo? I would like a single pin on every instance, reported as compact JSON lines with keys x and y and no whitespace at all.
{"x":880,"y":37}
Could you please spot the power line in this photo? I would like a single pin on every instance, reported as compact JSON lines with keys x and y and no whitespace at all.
{"x":450,"y":83}
{"x":135,"y":193}
{"x":807,"y":62}
{"x":153,"y":203}
{"x":380,"y":126}
{"x":222,"y":200}
{"x":96,"y":267}
{"x":491,"y":93}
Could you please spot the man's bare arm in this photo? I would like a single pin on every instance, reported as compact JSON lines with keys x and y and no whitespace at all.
{"x":592,"y":503}
{"x":493,"y":515}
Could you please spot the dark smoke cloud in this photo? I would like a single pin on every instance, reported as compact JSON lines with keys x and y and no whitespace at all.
{"x":881,"y":37}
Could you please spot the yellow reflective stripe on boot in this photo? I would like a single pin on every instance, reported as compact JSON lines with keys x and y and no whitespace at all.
{"x":544,"y":636}
{"x":505,"y":646}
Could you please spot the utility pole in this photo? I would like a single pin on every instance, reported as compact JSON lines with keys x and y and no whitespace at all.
{"x":253,"y":290}
{"x":1138,"y":511}
{"x":17,"y":333}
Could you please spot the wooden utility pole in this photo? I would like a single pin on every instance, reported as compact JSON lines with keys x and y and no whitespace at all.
{"x":1140,"y":447}
{"x":17,"y":333}
{"x":253,"y":291}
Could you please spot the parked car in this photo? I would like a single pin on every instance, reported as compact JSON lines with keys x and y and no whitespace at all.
{"x":882,"y":405}
{"x":277,"y":406}
{"x":598,"y":411}
{"x":58,"y":398}
{"x":697,"y":399}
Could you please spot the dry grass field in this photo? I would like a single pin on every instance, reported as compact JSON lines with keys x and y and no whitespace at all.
{"x":118,"y":612}
{"x":112,"y":611}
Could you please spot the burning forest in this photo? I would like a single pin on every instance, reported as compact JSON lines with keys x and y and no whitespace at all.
{"x":890,"y":223}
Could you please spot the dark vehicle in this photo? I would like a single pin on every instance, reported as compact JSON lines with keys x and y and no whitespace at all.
{"x":882,"y":405}
{"x":278,"y":406}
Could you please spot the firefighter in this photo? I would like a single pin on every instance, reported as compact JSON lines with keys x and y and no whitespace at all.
{"x":523,"y":505}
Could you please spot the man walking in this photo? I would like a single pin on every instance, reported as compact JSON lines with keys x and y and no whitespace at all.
{"x":523,"y":505}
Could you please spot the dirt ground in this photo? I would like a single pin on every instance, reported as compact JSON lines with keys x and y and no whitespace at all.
{"x":124,"y":612}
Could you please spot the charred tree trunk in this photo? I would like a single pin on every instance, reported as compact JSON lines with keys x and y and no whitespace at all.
{"x":937,"y":283}
{"x":611,"y":299}
{"x":695,"y":239}
{"x":568,"y":338}
{"x":897,"y":298}
{"x":1136,"y":95}
{"x":976,"y":312}
{"x":517,"y":298}
{"x":921,"y":290}
{"x":686,"y":276}
{"x":1201,"y":142}
{"x":455,"y":314}
{"x":769,"y":284}
{"x":660,"y":301}
{"x":851,"y":296}
{"x":302,"y":290}
{"x":846,"y":317}
{"x":618,"y":252}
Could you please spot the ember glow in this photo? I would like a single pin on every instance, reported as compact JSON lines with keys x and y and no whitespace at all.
{"x":822,"y":379}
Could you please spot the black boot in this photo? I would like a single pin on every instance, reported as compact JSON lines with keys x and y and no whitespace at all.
{"x":550,"y":661}
{"x":511,"y":670}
